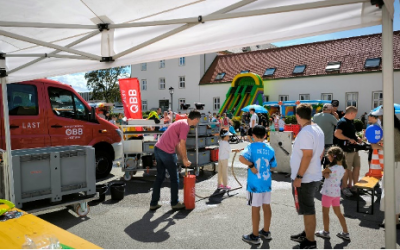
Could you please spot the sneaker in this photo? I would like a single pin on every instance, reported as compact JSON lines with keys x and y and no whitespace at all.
{"x":323,"y":234}
{"x":227,"y":187}
{"x":178,"y":206}
{"x":252,"y":239}
{"x":347,"y":192}
{"x":345,"y":236}
{"x":306,"y":244}
{"x":155,"y":207}
{"x":265,"y":235}
{"x":298,"y":237}
{"x":220,"y":187}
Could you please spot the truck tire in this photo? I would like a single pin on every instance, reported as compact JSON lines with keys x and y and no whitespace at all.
{"x":104,"y":163}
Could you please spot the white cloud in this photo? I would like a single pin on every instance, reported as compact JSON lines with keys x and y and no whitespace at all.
{"x":77,"y":81}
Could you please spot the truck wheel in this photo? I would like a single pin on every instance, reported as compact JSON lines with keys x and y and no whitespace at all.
{"x":103,"y":164}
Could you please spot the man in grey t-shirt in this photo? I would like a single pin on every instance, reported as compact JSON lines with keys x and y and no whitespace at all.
{"x":327,"y":122}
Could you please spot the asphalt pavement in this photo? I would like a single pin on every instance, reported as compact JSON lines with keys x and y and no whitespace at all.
{"x":216,"y":222}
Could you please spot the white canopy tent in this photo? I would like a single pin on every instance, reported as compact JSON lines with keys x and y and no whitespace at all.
{"x":49,"y":38}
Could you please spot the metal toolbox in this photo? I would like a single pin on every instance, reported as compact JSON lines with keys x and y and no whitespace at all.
{"x":210,"y":141}
{"x":148,"y":146}
{"x":204,"y":118}
{"x":204,"y":157}
{"x":43,"y":173}
{"x":201,"y":128}
{"x":191,"y":142}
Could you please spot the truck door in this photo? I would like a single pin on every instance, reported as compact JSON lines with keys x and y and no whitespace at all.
{"x":27,"y":124}
{"x":68,"y":118}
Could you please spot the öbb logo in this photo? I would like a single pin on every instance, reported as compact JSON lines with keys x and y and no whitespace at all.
{"x":133,"y":101}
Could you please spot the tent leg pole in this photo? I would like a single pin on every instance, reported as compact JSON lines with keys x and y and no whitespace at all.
{"x":7,"y":162}
{"x":388,"y":121}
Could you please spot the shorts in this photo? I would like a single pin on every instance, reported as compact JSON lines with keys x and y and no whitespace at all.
{"x":306,"y":194}
{"x":258,"y":199}
{"x":328,"y":201}
{"x":352,"y":160}
{"x":250,"y":132}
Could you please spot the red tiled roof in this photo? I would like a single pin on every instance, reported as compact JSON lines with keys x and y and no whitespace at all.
{"x":352,"y":52}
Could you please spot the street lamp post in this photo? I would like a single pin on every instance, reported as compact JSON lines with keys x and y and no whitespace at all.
{"x":171,"y":91}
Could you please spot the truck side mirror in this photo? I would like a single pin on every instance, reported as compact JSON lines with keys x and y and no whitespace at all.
{"x":93,"y":114}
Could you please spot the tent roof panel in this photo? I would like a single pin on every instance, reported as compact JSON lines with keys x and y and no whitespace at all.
{"x":197,"y":38}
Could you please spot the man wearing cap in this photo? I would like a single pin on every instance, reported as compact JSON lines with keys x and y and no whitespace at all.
{"x":327,"y":122}
{"x":346,"y":134}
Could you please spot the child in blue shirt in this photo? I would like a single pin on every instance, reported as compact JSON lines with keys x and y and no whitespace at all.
{"x":260,"y":158}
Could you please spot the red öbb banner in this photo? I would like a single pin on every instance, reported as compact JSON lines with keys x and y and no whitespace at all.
{"x":130,"y":97}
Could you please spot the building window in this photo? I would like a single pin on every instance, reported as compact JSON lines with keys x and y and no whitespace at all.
{"x":182,"y":61}
{"x":162,"y":83}
{"x":299,"y":69}
{"x":377,"y":99}
{"x":217,"y":103}
{"x":244,"y":71}
{"x":283,"y":98}
{"x":269,"y":72}
{"x":144,"y":66}
{"x":162,"y":64}
{"x":180,"y":102}
{"x":352,"y":99}
{"x":328,"y":97}
{"x":220,"y":76}
{"x":304,"y":97}
{"x":182,"y":82}
{"x":144,"y":84}
{"x":266,"y":98}
{"x":372,"y":63}
{"x":333,"y":66}
{"x":144,"y":105}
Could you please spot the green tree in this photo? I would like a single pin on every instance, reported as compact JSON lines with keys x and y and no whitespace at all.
{"x":104,"y":83}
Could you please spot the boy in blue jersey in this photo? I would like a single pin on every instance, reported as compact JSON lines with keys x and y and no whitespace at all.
{"x":260,"y":158}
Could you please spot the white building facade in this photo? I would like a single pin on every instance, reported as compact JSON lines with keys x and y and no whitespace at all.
{"x":183,"y":74}
{"x":363,"y":90}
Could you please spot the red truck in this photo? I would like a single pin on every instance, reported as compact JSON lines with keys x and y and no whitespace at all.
{"x":46,"y":113}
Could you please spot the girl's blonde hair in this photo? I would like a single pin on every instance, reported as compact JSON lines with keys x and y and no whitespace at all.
{"x":337,"y":155}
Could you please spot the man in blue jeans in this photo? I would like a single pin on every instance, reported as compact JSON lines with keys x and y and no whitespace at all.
{"x":172,"y":141}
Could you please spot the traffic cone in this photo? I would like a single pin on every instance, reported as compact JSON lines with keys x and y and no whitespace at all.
{"x":380,"y":152}
{"x":375,"y":169}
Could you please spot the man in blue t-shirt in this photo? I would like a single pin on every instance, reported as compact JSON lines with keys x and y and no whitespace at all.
{"x":260,"y":158}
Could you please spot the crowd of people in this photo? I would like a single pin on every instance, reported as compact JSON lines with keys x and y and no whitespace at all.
{"x":323,"y":151}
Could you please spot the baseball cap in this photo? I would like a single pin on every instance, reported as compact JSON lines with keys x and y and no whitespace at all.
{"x":225,"y":133}
{"x":335,"y":103}
{"x":377,"y":112}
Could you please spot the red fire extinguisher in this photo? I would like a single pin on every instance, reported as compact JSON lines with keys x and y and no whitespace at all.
{"x":189,"y":182}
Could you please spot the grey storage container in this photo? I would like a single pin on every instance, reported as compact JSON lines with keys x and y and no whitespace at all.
{"x":148,"y":146}
{"x":204,"y":118}
{"x":211,"y":141}
{"x":43,"y":173}
{"x":213,"y":131}
{"x":191,"y":142}
{"x":201,"y":128}
{"x":204,"y":157}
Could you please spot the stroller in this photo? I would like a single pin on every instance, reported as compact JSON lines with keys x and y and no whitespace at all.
{"x":233,"y":138}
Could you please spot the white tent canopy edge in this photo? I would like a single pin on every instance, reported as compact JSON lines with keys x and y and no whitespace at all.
{"x":255,"y":22}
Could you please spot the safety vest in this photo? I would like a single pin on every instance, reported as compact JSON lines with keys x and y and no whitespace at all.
{"x":153,"y":114}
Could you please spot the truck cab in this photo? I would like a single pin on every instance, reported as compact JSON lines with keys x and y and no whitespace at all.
{"x":45,"y":113}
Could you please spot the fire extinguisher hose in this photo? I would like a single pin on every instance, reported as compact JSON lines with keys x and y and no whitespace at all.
{"x":233,"y":173}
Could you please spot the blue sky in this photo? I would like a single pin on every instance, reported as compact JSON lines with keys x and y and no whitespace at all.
{"x":78,"y":82}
